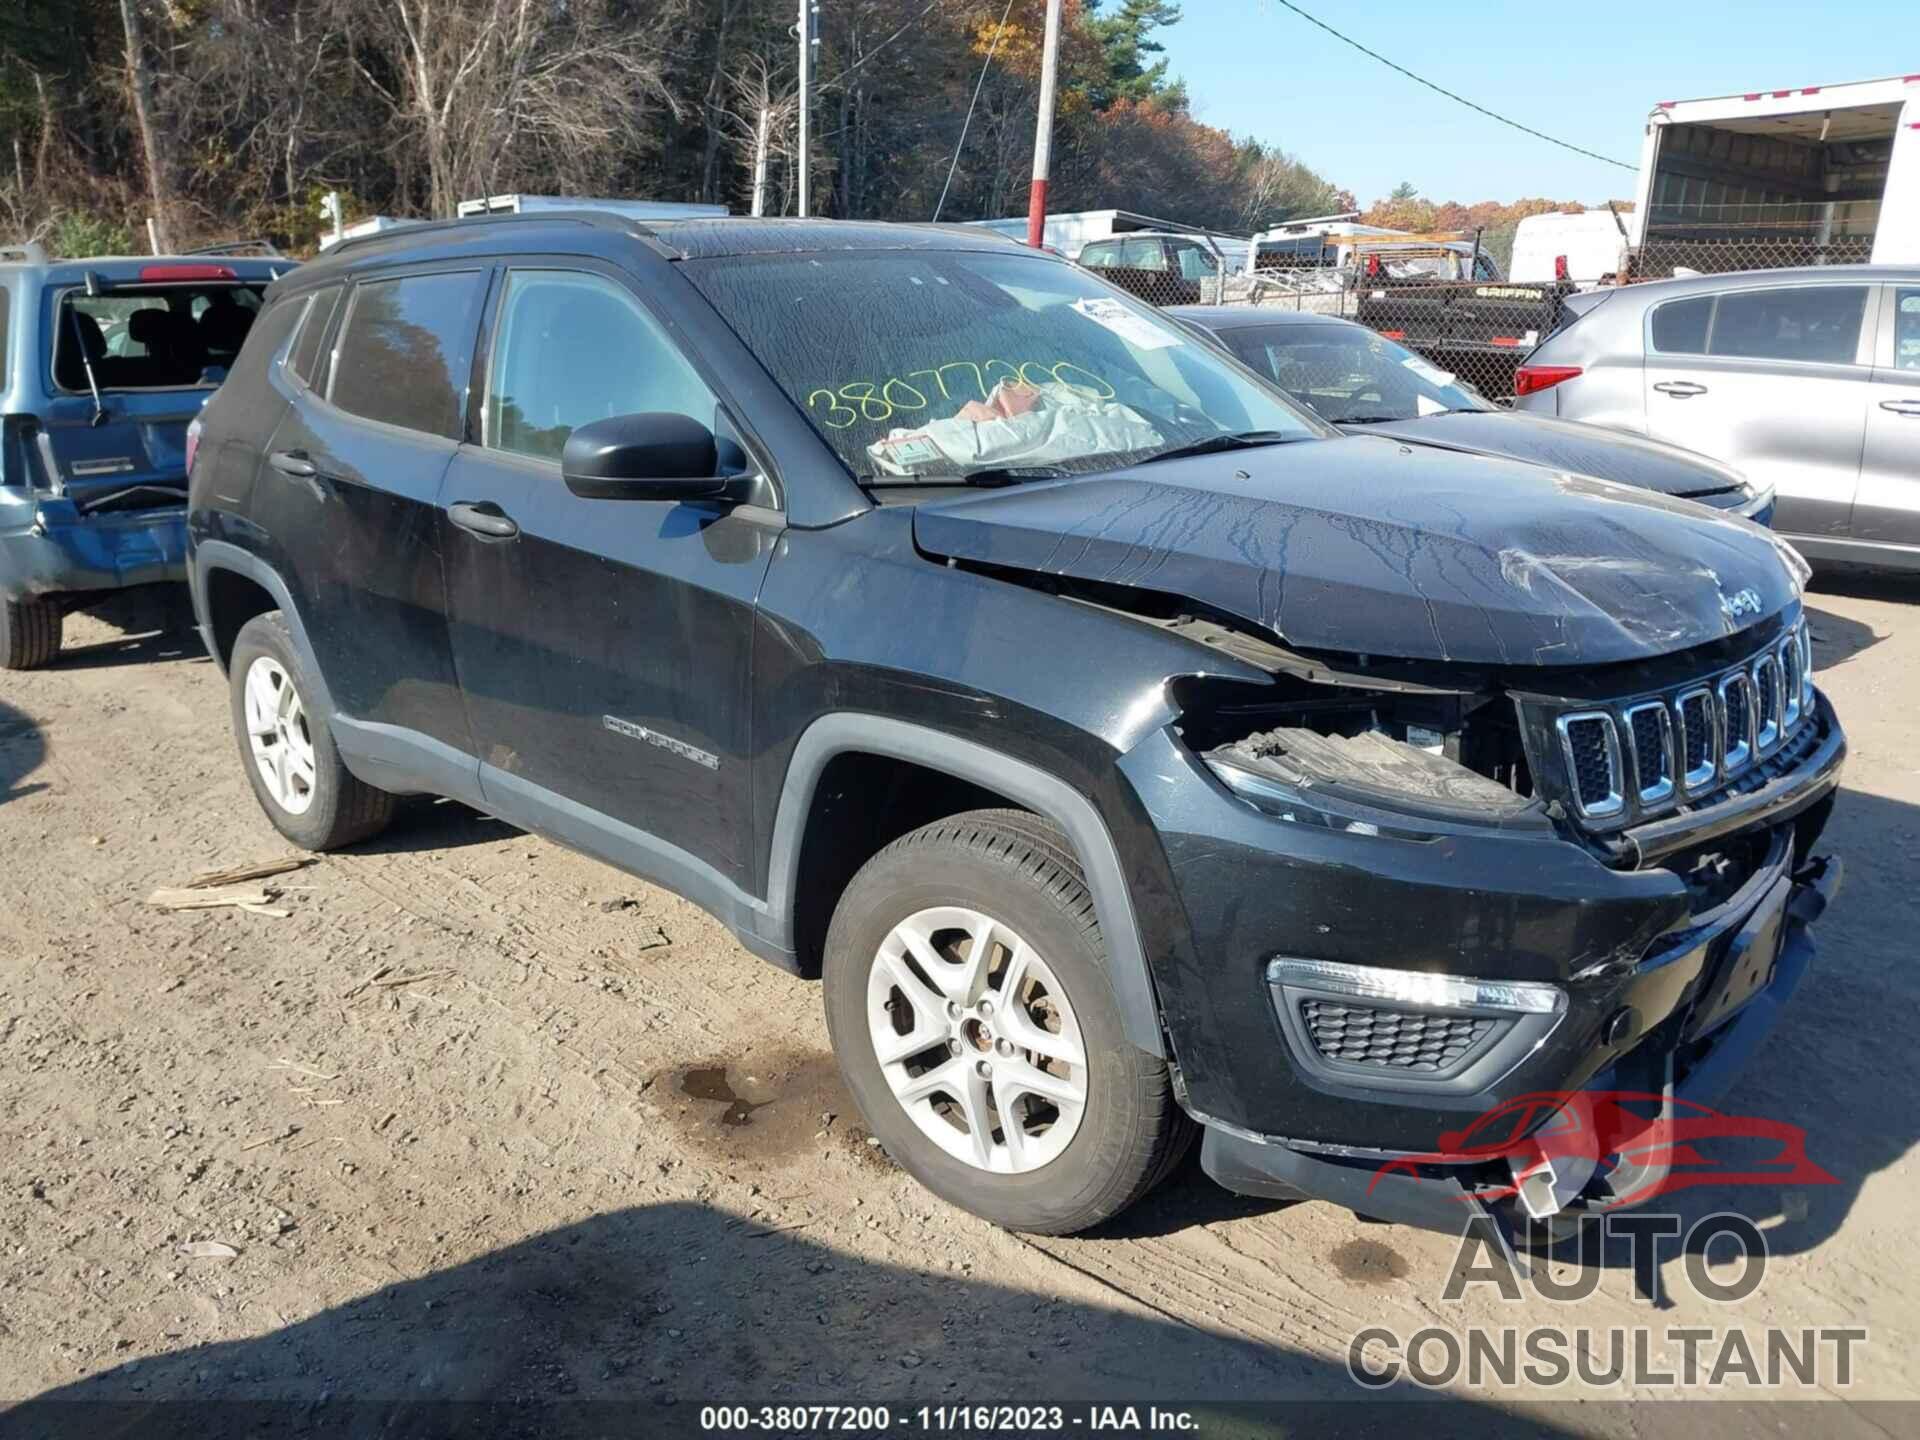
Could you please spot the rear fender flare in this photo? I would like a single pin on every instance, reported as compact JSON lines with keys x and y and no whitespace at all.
{"x":209,"y":555}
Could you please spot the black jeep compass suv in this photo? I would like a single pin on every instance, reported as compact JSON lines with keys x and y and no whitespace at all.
{"x":1127,"y":751}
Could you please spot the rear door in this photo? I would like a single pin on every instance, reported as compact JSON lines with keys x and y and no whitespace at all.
{"x":1887,"y":508}
{"x":349,"y":492}
{"x":1772,"y":381}
{"x":143,"y":348}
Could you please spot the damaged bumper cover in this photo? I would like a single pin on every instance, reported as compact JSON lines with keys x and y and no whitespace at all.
{"x":1354,"y":993}
{"x":61,"y":550}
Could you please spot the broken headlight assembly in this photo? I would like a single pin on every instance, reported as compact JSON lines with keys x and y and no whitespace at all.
{"x":1369,"y":765}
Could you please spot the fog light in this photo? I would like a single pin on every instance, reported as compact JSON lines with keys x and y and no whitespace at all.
{"x":1408,"y":987}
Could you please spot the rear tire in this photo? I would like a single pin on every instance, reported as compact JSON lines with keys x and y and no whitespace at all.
{"x":30,"y":632}
{"x":286,"y":745}
{"x":968,"y":952}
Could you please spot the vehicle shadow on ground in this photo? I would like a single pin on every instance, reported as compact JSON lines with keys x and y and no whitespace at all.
{"x":156,"y":625}
{"x":428,"y":822}
{"x":23,"y":749}
{"x":602,"y":1327}
{"x":1837,"y":638}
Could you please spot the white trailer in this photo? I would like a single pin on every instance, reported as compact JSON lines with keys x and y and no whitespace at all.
{"x":1804,"y":175}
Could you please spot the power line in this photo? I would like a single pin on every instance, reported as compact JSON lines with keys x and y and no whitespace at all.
{"x":1441,"y":89}
{"x":977,"y":87}
{"x":881,"y":46}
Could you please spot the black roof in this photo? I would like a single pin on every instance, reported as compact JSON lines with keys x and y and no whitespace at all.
{"x":601,"y":231}
{"x":743,"y":235}
{"x":1244,"y":317}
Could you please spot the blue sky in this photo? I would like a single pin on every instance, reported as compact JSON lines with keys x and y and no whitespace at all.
{"x":1584,"y":72}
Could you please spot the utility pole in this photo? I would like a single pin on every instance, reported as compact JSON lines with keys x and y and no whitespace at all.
{"x":809,"y":17}
{"x":1043,"y":136}
{"x":760,"y":127}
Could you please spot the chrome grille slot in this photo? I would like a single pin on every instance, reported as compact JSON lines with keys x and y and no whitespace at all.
{"x":1592,"y":749}
{"x":1736,"y":723}
{"x":1792,"y":683}
{"x":1766,"y":704}
{"x":1650,"y":737}
{"x":1700,"y":731}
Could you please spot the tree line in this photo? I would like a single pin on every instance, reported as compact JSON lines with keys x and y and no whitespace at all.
{"x":224,"y":118}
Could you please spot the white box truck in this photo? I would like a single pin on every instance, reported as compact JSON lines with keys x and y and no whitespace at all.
{"x":1806,"y":175}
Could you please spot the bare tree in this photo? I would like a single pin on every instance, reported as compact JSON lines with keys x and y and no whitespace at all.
{"x":762,"y":119}
{"x":140,"y":79}
{"x":502,"y":87}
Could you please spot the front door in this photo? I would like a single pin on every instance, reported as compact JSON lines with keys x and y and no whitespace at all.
{"x":1770,"y":381}
{"x":603,"y":646}
{"x":1887,"y":510}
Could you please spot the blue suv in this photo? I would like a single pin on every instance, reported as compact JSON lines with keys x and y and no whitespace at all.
{"x":104,"y":363}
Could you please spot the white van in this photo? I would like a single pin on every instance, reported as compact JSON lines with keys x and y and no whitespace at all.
{"x":1590,"y":244}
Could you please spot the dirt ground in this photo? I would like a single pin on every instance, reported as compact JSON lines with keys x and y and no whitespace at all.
{"x":483,"y":1120}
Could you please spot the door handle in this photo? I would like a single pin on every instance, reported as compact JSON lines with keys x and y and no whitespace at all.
{"x":294,"y":463}
{"x":1902,"y":407}
{"x":1680,"y":389}
{"x":482,"y":518}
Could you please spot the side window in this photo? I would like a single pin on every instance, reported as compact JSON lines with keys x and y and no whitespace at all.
{"x":1680,"y":326}
{"x":405,"y":349}
{"x":570,"y":347}
{"x":1906,"y":328}
{"x":1142,"y":254}
{"x":1101,"y":252}
{"x":1808,"y":323}
{"x":1195,"y":263}
{"x":303,"y":364}
{"x":1484,"y":268}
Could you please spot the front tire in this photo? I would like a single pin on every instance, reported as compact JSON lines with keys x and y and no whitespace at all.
{"x":972,"y":1013}
{"x":31,"y":629}
{"x":287,"y":747}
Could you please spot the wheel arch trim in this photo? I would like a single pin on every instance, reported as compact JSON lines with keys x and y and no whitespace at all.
{"x":1046,"y":795}
{"x":210,"y":555}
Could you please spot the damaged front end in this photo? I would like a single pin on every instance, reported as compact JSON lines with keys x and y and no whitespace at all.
{"x":1418,"y":892}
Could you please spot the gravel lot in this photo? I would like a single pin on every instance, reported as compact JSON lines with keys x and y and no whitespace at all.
{"x":484,"y":1120}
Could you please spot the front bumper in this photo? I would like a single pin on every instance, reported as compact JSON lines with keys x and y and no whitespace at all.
{"x":1610,"y":927}
{"x":61,"y":551}
{"x":1687,"y":1064}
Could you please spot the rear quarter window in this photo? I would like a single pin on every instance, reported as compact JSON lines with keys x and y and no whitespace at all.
{"x":304,"y":362}
{"x":1679,"y":327}
{"x":405,"y":349}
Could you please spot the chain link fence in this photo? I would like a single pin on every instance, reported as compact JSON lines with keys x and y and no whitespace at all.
{"x":1477,"y":329}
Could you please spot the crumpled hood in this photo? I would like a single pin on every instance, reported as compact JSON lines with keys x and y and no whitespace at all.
{"x":1367,"y":546}
{"x":1569,"y":445}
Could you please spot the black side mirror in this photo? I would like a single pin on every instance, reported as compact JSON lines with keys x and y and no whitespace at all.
{"x":653,"y":456}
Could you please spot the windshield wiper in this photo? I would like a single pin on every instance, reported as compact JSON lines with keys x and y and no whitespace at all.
{"x":987,"y":476}
{"x":1237,"y":440}
{"x":1371,"y":419}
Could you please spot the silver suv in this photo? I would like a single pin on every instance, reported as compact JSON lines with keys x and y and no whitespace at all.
{"x":1806,"y":380}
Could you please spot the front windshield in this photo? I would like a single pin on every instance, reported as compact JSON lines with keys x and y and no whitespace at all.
{"x":1350,"y":375}
{"x":936,"y":366}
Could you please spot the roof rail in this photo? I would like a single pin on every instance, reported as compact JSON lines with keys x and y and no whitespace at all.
{"x":604,"y":219}
{"x":239,"y":247}
{"x":33,"y":252}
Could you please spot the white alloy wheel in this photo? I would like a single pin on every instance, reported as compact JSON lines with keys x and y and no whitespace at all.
{"x":977,"y":1040}
{"x":277,"y":733}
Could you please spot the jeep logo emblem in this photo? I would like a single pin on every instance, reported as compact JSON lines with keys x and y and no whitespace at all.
{"x":1741,"y":602}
